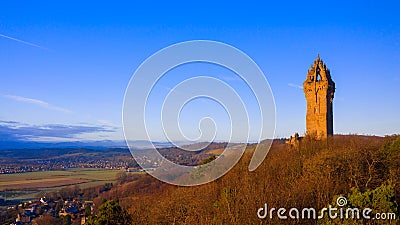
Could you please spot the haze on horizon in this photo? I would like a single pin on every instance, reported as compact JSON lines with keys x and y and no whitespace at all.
{"x":64,"y":67}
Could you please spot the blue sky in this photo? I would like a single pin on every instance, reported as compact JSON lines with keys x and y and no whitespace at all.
{"x":66,"y":65}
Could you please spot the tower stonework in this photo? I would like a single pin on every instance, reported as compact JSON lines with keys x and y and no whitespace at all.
{"x":319,"y":90}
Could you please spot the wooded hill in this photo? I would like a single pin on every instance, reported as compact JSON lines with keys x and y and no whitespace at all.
{"x":364,"y":169}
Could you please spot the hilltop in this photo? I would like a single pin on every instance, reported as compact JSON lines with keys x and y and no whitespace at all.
{"x":313,"y":175}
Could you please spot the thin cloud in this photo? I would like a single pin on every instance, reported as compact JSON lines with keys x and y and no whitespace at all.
{"x":8,"y":122}
{"x":295,"y":86}
{"x":10,"y":130}
{"x":37,"y":102}
{"x":23,"y":42}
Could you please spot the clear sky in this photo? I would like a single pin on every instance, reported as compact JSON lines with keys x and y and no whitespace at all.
{"x":64,"y":66}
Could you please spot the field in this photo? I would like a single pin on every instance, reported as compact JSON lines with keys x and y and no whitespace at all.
{"x":27,"y":185}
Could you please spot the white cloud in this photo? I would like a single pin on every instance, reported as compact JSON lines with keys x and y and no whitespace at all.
{"x":12,"y":130}
{"x":23,"y":42}
{"x":37,"y":102}
{"x":295,"y":86}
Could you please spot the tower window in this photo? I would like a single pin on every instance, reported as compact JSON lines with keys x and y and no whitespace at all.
{"x":318,"y":77}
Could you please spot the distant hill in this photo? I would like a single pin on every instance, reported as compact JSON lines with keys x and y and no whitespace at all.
{"x":74,"y":144}
{"x":140,"y":144}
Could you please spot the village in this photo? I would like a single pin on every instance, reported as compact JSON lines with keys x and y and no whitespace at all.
{"x":71,"y":212}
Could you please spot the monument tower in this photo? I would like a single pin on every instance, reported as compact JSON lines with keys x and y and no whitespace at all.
{"x":319,"y":90}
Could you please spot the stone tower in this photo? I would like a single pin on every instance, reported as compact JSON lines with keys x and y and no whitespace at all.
{"x":319,"y":90}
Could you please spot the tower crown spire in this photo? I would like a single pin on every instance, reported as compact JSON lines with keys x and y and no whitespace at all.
{"x":318,"y":71}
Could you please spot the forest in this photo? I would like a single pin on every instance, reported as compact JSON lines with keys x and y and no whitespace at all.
{"x":363,"y":169}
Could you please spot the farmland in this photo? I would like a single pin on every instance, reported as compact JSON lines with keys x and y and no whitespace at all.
{"x":29,"y":173}
{"x":27,"y":185}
